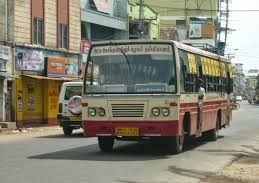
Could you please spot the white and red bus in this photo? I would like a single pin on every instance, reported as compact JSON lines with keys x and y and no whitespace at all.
{"x":162,"y":90}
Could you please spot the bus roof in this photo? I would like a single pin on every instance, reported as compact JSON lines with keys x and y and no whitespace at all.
{"x":177,"y":44}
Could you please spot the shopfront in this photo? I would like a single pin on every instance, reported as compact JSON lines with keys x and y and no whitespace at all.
{"x":6,"y":81}
{"x":41,"y":74}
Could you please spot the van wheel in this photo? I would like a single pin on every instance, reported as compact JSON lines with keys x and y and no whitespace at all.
{"x":106,"y":143}
{"x":213,"y":134}
{"x":67,"y":131}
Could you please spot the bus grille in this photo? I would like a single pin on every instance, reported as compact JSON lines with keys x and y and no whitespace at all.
{"x":127,"y":110}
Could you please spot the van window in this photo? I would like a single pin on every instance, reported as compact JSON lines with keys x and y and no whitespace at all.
{"x":72,"y":91}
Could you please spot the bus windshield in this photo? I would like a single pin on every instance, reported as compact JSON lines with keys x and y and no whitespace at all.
{"x":131,"y":69}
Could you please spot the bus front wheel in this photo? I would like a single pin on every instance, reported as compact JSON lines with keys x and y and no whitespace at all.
{"x":106,"y":143}
{"x":175,"y":144}
{"x":67,"y":131}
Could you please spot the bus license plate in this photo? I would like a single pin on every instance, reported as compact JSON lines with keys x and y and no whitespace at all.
{"x":75,"y":118}
{"x":127,"y":132}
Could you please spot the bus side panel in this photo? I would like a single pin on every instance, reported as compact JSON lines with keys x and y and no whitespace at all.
{"x":192,"y":109}
{"x":210,"y":114}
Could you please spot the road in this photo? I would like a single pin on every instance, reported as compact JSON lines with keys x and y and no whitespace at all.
{"x":46,"y":157}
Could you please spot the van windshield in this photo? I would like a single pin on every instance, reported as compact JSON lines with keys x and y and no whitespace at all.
{"x":73,"y":91}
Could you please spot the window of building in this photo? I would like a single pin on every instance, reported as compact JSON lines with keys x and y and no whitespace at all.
{"x":38,"y":31}
{"x":84,"y":31}
{"x":63,"y":36}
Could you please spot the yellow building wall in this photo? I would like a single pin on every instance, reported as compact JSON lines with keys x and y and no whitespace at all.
{"x":19,"y":100}
{"x":37,"y":101}
{"x":29,"y":101}
{"x":51,"y":92}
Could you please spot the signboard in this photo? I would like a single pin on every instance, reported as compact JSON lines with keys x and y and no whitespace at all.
{"x":29,"y":60}
{"x":101,"y":5}
{"x":133,"y":49}
{"x":195,"y":31}
{"x":85,"y":46}
{"x":55,"y":66}
{"x":201,"y":28}
{"x":4,"y":52}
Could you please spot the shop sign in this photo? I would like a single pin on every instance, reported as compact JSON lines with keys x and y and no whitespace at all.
{"x":4,"y":52}
{"x":55,"y":66}
{"x":3,"y":65}
{"x":201,"y":28}
{"x":101,"y":5}
{"x":85,"y":46}
{"x":71,"y":67}
{"x":29,"y":60}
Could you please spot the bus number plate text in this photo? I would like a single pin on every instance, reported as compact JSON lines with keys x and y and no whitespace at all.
{"x":127,"y":132}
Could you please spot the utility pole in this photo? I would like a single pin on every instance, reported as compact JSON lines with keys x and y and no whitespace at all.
{"x":141,"y":17}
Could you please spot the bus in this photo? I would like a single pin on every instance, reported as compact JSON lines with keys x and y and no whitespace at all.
{"x":160,"y":90}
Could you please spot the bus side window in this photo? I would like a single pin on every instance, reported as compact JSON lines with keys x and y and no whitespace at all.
{"x":183,"y":64}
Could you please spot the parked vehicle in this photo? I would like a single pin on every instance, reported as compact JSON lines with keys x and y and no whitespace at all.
{"x":70,"y":109}
{"x":239,"y":98}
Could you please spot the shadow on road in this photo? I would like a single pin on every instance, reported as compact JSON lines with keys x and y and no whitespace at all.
{"x":252,"y":152}
{"x":123,"y":151}
{"x":129,"y":152}
{"x":61,"y":136}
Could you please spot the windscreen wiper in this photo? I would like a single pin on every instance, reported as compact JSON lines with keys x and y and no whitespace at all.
{"x":126,"y":57}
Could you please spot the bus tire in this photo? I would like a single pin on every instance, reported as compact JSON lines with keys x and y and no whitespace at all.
{"x":175,"y":144}
{"x":106,"y":143}
{"x":213,"y":135}
{"x":67,"y":131}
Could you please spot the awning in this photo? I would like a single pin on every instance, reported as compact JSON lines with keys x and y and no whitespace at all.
{"x":6,"y":75}
{"x":49,"y":78}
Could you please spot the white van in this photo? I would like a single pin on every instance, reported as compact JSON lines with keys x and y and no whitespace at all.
{"x":70,"y":109}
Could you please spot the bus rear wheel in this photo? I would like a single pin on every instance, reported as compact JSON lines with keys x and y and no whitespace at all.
{"x":106,"y":143}
{"x":175,"y":144}
{"x":213,"y":134}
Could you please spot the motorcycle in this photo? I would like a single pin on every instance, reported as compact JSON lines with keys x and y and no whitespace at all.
{"x":250,"y":101}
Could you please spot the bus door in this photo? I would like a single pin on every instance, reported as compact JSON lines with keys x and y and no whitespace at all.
{"x":229,"y":91}
{"x":201,"y":93}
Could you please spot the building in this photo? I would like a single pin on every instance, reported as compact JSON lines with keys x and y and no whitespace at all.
{"x":251,"y":81}
{"x":239,"y":79}
{"x":102,"y":20}
{"x":194,"y":20}
{"x":144,"y":26}
{"x":44,"y":42}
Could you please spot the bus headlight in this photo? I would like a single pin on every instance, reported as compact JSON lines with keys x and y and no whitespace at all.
{"x":155,"y":111}
{"x":92,"y":112}
{"x":165,"y":112}
{"x":101,"y":112}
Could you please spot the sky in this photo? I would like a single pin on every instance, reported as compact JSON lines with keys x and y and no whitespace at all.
{"x":244,"y":41}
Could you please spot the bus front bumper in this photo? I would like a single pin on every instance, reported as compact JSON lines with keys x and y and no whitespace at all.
{"x":143,"y":128}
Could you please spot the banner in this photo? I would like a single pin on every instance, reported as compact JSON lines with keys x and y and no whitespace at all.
{"x":29,"y":60}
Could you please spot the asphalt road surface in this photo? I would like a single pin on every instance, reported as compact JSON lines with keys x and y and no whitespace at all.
{"x":49,"y":157}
